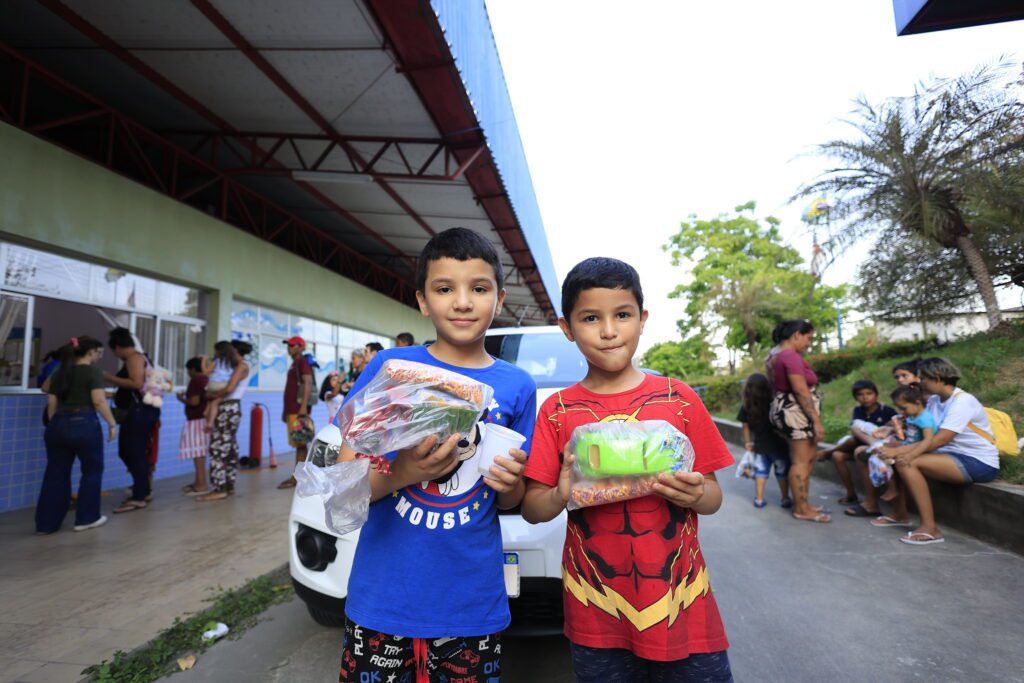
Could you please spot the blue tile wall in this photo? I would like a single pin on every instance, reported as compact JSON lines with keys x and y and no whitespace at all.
{"x":23,"y":454}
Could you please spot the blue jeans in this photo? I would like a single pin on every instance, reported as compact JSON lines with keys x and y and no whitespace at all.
{"x":132,"y":446}
{"x":597,"y":665}
{"x":71,"y":435}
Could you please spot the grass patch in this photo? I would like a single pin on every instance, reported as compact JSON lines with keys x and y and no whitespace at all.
{"x":239,"y":609}
{"x":992,"y":365}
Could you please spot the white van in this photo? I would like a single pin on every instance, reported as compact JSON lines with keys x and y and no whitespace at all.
{"x":320,"y":562}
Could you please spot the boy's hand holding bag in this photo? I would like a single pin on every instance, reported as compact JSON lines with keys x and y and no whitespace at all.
{"x":407,"y":406}
{"x":617,"y":461}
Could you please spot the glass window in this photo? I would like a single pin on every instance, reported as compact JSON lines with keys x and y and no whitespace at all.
{"x":273,"y":363}
{"x":550,"y":358}
{"x":327,"y":357}
{"x":244,"y":316}
{"x":178,"y":343}
{"x":274,"y":322}
{"x":145,"y":333}
{"x":302,"y":327}
{"x":13,"y":319}
{"x":177,"y":300}
{"x":345,"y":337}
{"x":323,"y":332}
{"x":47,"y":273}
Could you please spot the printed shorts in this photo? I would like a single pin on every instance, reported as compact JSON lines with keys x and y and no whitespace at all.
{"x":789,"y":419}
{"x":370,"y":655}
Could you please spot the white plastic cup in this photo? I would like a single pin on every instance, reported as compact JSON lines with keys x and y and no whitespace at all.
{"x":497,"y":440}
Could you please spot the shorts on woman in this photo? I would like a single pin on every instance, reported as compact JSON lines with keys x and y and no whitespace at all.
{"x":789,"y":419}
{"x":195,"y":440}
{"x":974,"y":470}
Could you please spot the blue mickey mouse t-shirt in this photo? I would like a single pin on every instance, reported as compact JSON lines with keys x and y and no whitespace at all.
{"x":429,"y":561}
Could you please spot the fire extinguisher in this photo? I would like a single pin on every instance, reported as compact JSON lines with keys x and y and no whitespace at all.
{"x":256,"y":436}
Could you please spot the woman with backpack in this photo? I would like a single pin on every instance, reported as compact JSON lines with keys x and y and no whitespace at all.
{"x":135,"y":417}
{"x":964,"y":447}
{"x":75,"y":394}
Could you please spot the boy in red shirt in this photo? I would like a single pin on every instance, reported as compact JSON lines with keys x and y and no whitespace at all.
{"x":638,"y":603}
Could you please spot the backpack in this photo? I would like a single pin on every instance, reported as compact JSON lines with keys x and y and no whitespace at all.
{"x":314,"y":392}
{"x":1003,"y":436}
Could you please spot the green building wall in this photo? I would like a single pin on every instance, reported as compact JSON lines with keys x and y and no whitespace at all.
{"x":55,"y":200}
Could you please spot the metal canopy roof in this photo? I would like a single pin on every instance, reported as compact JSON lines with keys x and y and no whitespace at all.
{"x":922,"y":16}
{"x":346,"y":121}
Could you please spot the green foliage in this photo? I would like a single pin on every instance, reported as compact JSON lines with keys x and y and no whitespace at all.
{"x":238,"y":608}
{"x":721,"y":395}
{"x":829,"y":366}
{"x":743,"y":279}
{"x":689,"y":358}
{"x":942,"y":167}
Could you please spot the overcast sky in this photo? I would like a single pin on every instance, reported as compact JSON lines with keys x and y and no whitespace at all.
{"x":635,"y":115}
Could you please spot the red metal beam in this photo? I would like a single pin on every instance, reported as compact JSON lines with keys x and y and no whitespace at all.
{"x":419,"y":47}
{"x":239,"y":41}
{"x":131,"y":135}
{"x":152,"y":75}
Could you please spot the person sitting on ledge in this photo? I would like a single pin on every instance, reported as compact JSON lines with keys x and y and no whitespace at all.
{"x":960,"y":452}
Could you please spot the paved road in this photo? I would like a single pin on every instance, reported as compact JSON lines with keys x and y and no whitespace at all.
{"x":801,"y":602}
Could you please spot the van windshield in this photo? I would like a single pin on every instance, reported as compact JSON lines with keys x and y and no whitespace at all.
{"x":551,"y":359}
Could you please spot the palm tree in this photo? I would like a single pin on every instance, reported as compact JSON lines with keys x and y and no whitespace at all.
{"x":922,"y":164}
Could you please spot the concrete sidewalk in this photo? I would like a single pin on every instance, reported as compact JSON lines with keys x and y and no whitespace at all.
{"x":70,"y":600}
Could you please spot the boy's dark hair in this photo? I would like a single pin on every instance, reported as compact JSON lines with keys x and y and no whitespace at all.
{"x":908,"y":365}
{"x":939,"y":369}
{"x":407,"y":338}
{"x":757,"y":398}
{"x":862,"y":384}
{"x":908,"y":394}
{"x":599,"y":273}
{"x":120,"y":338}
{"x":787,"y":328}
{"x":376,"y":347}
{"x":460,"y":244}
{"x":195,"y":364}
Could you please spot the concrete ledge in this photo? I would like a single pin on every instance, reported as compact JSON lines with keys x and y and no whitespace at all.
{"x":991,"y":512}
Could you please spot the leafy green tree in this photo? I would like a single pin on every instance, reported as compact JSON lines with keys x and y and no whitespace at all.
{"x":743,"y":279}
{"x":934,"y":164}
{"x":684,"y":360}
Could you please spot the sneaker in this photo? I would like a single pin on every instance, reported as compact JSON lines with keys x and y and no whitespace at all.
{"x":85,"y":527}
{"x":787,"y":502}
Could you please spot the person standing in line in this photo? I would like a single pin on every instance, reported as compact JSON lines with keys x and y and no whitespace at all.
{"x":136,"y":418}
{"x":371,"y":350}
{"x":796,"y":410}
{"x":195,"y":440}
{"x":404,"y":339}
{"x":355,"y":368}
{"x":330,"y":394}
{"x":298,"y":388}
{"x":74,"y":395}
{"x":224,"y":438}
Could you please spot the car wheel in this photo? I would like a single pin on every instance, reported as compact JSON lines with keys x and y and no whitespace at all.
{"x":324,"y":618}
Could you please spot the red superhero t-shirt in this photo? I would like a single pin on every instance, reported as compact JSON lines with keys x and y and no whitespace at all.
{"x":633,"y":573}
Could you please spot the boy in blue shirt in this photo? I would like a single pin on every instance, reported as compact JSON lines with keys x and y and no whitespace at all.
{"x":426,"y":597}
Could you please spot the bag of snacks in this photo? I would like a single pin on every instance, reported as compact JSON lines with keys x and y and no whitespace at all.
{"x":617,"y":461}
{"x":406,"y":402}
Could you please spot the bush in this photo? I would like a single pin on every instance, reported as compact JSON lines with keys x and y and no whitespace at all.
{"x":720,"y":394}
{"x":829,"y":366}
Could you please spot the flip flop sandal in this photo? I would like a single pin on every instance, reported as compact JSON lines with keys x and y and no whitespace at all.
{"x":129,"y":506}
{"x":188,"y":489}
{"x":287,"y":484}
{"x":859,"y":510}
{"x":759,"y":503}
{"x":927,"y":540}
{"x":212,"y":496}
{"x":786,"y":503}
{"x":820,"y":518}
{"x":848,"y":500}
{"x":886,"y":520}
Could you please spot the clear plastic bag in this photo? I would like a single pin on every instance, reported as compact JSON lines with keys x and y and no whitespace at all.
{"x":747,"y":465}
{"x":345,"y":488}
{"x":617,"y":461}
{"x":406,"y":402}
{"x":879,"y":471}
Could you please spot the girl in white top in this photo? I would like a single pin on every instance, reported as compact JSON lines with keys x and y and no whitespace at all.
{"x":330,"y":394}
